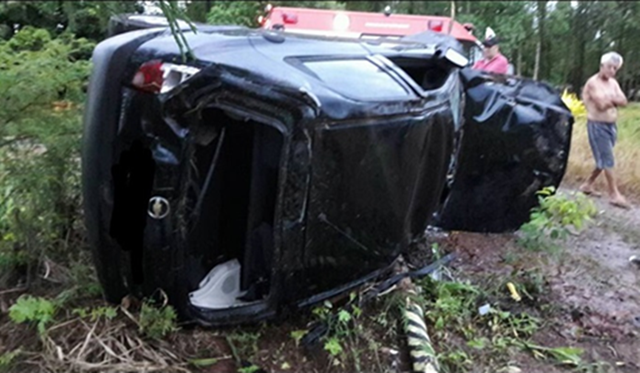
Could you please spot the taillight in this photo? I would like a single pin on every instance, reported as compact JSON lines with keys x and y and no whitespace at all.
{"x":289,"y":18}
{"x":158,"y":77}
{"x":436,"y":26}
{"x":149,"y":76}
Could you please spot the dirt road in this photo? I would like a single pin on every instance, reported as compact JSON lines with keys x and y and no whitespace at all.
{"x":592,"y":287}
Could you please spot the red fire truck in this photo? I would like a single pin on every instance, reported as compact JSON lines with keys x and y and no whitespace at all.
{"x":366,"y":25}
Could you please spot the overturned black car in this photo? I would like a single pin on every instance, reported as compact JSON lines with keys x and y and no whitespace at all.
{"x":276,"y":170}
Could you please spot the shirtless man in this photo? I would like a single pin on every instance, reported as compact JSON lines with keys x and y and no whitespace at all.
{"x":602,"y":96}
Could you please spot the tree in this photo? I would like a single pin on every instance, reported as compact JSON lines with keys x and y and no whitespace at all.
{"x":83,"y":18}
{"x":246,"y":13}
{"x":541,"y":15}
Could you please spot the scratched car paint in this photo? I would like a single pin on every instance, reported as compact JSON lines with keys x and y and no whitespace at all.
{"x":274,"y":171}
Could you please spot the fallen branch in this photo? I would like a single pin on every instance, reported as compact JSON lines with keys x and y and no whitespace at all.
{"x":14,"y":290}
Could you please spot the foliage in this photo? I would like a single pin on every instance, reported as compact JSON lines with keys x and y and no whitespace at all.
{"x":242,"y":13}
{"x":157,"y":322}
{"x":245,"y":343}
{"x":96,"y":313}
{"x":83,"y":281}
{"x":563,"y":355}
{"x":205,"y":362}
{"x":29,"y":39}
{"x":453,"y":302}
{"x":343,"y":329}
{"x":7,"y":359}
{"x":39,"y":144}
{"x":554,"y":218}
{"x":86,"y":19}
{"x":172,"y":12}
{"x":33,"y":309}
{"x":249,"y":369}
{"x":245,"y":13}
{"x":297,"y":336}
{"x":453,"y":316}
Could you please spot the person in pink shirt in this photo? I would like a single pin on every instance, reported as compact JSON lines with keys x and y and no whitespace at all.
{"x":493,"y":61}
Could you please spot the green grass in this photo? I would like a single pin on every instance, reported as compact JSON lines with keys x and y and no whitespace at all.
{"x":627,"y":153}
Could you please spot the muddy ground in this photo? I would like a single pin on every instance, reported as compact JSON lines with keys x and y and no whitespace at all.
{"x":588,"y":297}
{"x":594,"y":290}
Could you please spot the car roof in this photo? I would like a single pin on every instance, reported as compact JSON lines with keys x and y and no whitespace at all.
{"x":276,"y":58}
{"x":210,"y":42}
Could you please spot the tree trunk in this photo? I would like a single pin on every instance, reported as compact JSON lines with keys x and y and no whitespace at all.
{"x":540,"y":71}
{"x":453,"y":16}
{"x":620,"y":44}
{"x":579,"y":48}
{"x":519,"y":62}
{"x":536,"y":67}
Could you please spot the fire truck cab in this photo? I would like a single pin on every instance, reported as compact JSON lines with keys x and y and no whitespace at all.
{"x":367,"y":25}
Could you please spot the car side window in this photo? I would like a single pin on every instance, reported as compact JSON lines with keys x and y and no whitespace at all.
{"x":358,"y":79}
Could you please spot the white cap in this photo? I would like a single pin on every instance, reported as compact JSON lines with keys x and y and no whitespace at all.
{"x":489,"y":34}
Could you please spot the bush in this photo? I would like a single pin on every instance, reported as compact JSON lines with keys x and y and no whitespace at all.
{"x":29,"y":39}
{"x":40,"y":132}
{"x":554,"y":218}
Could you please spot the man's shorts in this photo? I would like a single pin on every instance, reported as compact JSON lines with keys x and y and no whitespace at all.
{"x":602,"y":138}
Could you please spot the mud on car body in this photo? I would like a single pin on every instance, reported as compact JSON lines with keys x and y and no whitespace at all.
{"x":276,"y":170}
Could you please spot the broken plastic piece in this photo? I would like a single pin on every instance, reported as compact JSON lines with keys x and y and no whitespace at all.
{"x":510,"y":369}
{"x":436,"y":275}
{"x":483,"y":310}
{"x":220,"y":288}
{"x":514,"y":292}
{"x":634,"y":259}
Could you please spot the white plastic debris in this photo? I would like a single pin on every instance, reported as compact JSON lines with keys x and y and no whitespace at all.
{"x":220,"y":288}
{"x":436,"y":275}
{"x":483,"y":310}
